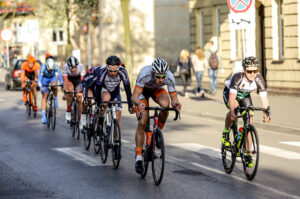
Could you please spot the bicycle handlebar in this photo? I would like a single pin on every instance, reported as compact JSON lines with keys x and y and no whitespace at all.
{"x":253,"y":108}
{"x":162,"y":109}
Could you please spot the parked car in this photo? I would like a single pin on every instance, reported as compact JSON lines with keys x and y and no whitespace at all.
{"x":13,"y":77}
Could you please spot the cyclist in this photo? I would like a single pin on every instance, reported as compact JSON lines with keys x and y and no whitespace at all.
{"x":49,"y":73}
{"x":30,"y":70}
{"x":88,"y":90}
{"x":149,"y":83}
{"x":73,"y":72}
{"x":237,"y":93}
{"x":108,"y":85}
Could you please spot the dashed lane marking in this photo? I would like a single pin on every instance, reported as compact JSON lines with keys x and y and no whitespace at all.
{"x":297,"y":144}
{"x":284,"y":194}
{"x":81,"y":155}
{"x":280,"y":152}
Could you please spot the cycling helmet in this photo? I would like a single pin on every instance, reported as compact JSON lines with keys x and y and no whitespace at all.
{"x":50,"y":64}
{"x":113,"y":60}
{"x":30,"y":59}
{"x":250,"y":61}
{"x":160,"y":66}
{"x":72,"y":62}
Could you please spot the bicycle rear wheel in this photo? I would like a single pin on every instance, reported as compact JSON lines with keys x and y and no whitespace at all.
{"x":250,"y":146}
{"x":73,"y":118}
{"x":96,"y":129}
{"x":48,"y":111}
{"x":86,"y":132}
{"x":116,"y":149}
{"x":158,"y":156}
{"x":229,"y":153}
{"x":104,"y":142}
{"x":53,"y":114}
{"x":77,"y":121}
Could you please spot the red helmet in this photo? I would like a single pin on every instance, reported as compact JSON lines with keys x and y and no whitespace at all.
{"x":30,"y":59}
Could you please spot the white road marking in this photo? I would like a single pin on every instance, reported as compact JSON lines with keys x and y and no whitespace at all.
{"x":297,"y":144}
{"x":280,"y":152}
{"x":246,"y":181}
{"x":199,"y":148}
{"x":173,"y":159}
{"x":216,"y":153}
{"x":79,"y":154}
{"x":125,"y":141}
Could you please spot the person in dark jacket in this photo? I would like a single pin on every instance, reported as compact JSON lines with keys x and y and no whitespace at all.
{"x":185,"y":64}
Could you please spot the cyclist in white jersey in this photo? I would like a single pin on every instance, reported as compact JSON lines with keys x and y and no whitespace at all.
{"x":73,"y":72}
{"x":149,"y":83}
{"x":237,"y":93}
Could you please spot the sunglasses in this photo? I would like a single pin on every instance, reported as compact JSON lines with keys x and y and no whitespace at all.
{"x":73,"y":67}
{"x":113,"y":71}
{"x":160,"y":76}
{"x":251,"y":71}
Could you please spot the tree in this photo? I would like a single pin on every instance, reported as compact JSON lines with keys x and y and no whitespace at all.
{"x":127,"y":37}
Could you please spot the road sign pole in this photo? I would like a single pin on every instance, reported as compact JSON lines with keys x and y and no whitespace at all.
{"x":243,"y":43}
{"x":7,"y":52}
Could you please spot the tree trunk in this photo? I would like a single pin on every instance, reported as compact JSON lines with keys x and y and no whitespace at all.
{"x":68,"y":15}
{"x":128,"y":45}
{"x":100,"y":18}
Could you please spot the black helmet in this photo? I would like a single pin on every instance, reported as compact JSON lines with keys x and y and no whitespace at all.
{"x":73,"y":62}
{"x":113,"y":60}
{"x":250,"y":61}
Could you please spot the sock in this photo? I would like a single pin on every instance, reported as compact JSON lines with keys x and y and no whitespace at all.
{"x":161,"y":125}
{"x":138,"y":153}
{"x":69,"y":108}
{"x":43,"y":112}
{"x":226,"y":130}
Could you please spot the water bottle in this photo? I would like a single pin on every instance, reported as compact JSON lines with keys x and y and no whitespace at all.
{"x":239,"y":136}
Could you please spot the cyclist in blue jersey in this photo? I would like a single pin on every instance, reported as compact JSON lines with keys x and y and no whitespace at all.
{"x":49,"y":73}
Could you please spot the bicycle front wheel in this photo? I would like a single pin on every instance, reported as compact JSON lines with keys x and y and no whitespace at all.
{"x":116,"y":149}
{"x":250,"y":153}
{"x":53,"y":114}
{"x":229,"y":153}
{"x":158,"y":156}
{"x":48,"y":112}
{"x":86,"y":132}
{"x":96,"y":128}
{"x":104,"y":142}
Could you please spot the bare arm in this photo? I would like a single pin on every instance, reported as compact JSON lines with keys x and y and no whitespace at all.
{"x":232,"y":105}
{"x":135,"y":96}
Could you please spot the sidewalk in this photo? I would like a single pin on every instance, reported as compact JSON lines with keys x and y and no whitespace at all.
{"x":284,"y":110}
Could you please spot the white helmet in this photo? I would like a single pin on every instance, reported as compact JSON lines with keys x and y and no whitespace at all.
{"x":50,"y":64}
{"x":160,"y":66}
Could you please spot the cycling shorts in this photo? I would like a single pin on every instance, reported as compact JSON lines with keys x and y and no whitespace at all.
{"x":46,"y":81}
{"x":75,"y":81}
{"x":154,"y":94}
{"x":247,"y":101}
{"x":114,"y":95}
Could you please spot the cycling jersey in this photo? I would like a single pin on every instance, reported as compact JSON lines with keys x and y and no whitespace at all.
{"x":30,"y":73}
{"x":46,"y":77}
{"x":112,"y":85}
{"x":68,"y":73}
{"x":145,"y":79}
{"x":240,"y":85}
{"x":89,"y":79}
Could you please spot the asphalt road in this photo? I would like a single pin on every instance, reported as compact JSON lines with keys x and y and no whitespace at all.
{"x":36,"y":162}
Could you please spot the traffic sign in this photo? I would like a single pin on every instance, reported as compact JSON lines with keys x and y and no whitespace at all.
{"x":239,"y":5}
{"x":6,"y":34}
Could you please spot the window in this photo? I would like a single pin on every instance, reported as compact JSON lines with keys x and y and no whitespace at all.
{"x":58,"y":36}
{"x":277,"y":22}
{"x":200,"y":22}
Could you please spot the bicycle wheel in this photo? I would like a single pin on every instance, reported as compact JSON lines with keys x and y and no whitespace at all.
{"x":77,"y":121}
{"x":145,"y":161}
{"x":250,"y":146}
{"x":29,"y":104}
{"x":96,"y":127}
{"x":53,"y":114}
{"x":73,"y":118}
{"x":48,"y":111}
{"x":104,"y":142}
{"x":116,"y":149}
{"x":158,"y":156}
{"x":229,"y":153}
{"x":86,"y":132}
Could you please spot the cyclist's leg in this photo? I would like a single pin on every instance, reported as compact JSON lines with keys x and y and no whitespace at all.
{"x":54,"y":83}
{"x":34,"y":93}
{"x":228,"y":121}
{"x":116,"y":95}
{"x":85,"y":105}
{"x":162,"y":98}
{"x":44,"y":91}
{"x":70,"y":88}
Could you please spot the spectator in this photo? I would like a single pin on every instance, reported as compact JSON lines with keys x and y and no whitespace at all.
{"x":214,"y":61}
{"x":4,"y":58}
{"x":200,"y":63}
{"x":185,"y":65}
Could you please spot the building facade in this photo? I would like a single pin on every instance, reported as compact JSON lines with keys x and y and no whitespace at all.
{"x":269,"y":30}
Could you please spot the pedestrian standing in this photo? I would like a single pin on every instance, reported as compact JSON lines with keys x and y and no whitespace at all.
{"x":200,"y":63}
{"x":214,"y":61}
{"x":185,"y":64}
{"x":4,"y":58}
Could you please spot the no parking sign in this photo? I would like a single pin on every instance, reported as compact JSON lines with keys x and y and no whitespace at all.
{"x":239,"y":5}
